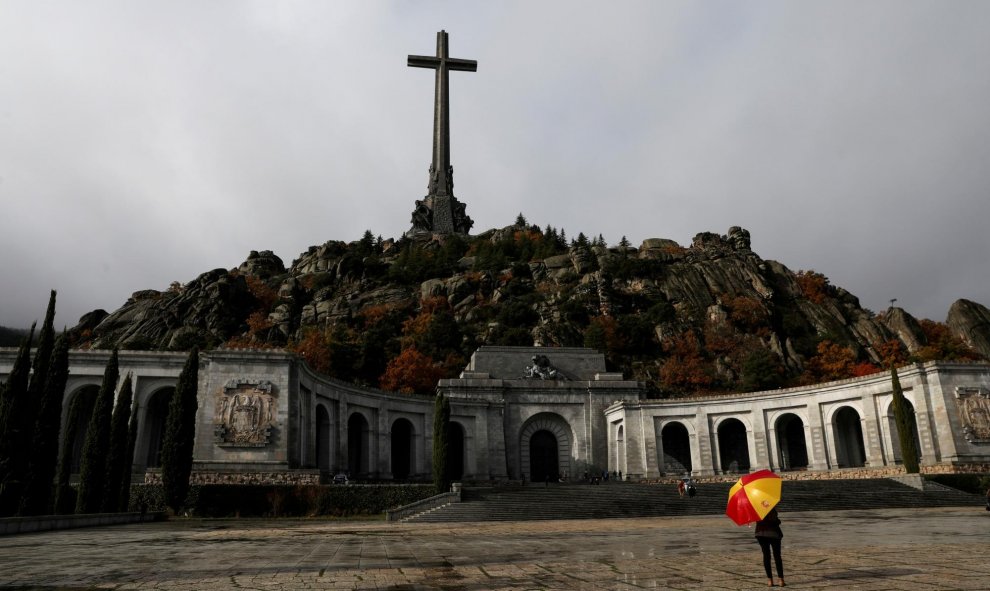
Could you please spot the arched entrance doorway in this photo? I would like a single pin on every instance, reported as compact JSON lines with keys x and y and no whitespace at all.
{"x":733,"y":447}
{"x":543,"y":461}
{"x":848,"y":430}
{"x":545,"y":442}
{"x":357,"y":444}
{"x":675,"y":444}
{"x":155,"y":415}
{"x":895,"y":438}
{"x":402,"y":448}
{"x":455,"y":447}
{"x":76,"y":424}
{"x":323,"y":451}
{"x":791,"y":445}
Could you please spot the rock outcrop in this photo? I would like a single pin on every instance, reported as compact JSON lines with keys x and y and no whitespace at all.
{"x":522,"y":286}
{"x":971,"y":323}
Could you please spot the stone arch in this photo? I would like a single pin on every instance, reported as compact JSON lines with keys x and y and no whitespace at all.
{"x":80,"y":409}
{"x":155,"y":413}
{"x":549,"y":426}
{"x":324,"y":442}
{"x":893,"y":434}
{"x":733,"y":446}
{"x":847,"y":430}
{"x":792,"y":447}
{"x":402,"y":460}
{"x":358,"y":444}
{"x":675,"y":448}
{"x":456,"y":441}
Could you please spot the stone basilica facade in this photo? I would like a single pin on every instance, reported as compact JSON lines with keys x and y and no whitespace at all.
{"x":528,"y":413}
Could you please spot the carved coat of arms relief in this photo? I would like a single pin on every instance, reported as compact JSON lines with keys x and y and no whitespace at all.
{"x":974,"y":413}
{"x":244,"y":414}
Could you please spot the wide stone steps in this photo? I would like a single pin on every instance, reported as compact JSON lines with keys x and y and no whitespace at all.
{"x":623,"y":500}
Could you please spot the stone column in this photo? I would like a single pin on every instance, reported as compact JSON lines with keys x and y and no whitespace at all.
{"x":651,"y":467}
{"x":774,"y":458}
{"x":383,"y":442}
{"x":342,"y":437}
{"x":759,"y":455}
{"x":871,"y":432}
{"x":816,"y":439}
{"x":703,"y":463}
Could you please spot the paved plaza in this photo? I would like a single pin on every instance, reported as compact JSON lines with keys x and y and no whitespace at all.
{"x":888,"y":549}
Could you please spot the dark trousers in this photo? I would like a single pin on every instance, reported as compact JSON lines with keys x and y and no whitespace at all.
{"x":766,"y":544}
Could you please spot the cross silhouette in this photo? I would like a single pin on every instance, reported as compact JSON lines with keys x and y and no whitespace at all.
{"x":441,"y":176}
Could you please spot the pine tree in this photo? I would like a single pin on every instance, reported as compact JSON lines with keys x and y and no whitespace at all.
{"x":44,"y":450}
{"x":441,"y":445}
{"x":12,"y":398}
{"x":92,"y":471}
{"x":118,"y":447}
{"x":124,"y":500}
{"x":905,"y":426}
{"x":180,"y":432}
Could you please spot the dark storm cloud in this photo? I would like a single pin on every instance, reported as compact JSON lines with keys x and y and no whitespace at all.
{"x":143,"y":143}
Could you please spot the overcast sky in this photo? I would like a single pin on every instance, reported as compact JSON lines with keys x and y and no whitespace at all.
{"x":143,"y":143}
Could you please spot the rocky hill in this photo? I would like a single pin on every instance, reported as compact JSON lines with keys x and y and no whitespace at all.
{"x":709,"y":316}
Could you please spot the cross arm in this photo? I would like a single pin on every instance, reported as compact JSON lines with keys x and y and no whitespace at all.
{"x":462,"y":65}
{"x":423,"y":61}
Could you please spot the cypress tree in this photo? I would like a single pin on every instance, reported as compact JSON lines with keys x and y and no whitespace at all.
{"x":44,"y":450}
{"x":118,"y":447}
{"x":12,"y":397}
{"x":180,"y":433}
{"x":81,"y":406}
{"x":441,"y":446}
{"x":93,"y":471}
{"x":905,"y":425}
{"x":124,"y":499}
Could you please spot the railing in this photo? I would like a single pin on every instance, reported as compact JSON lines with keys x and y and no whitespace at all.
{"x":423,"y":505}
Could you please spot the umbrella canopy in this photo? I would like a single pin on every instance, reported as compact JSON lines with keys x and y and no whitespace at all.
{"x":752,"y":497}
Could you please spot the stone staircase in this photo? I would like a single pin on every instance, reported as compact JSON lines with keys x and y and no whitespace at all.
{"x":621,"y":500}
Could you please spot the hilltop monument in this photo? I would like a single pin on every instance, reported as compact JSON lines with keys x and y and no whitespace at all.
{"x":440,"y":212}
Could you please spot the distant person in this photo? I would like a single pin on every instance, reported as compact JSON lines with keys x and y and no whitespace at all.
{"x":988,"y":499}
{"x":681,"y":487}
{"x":768,"y":534}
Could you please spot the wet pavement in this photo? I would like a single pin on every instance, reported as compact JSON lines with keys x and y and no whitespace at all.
{"x":889,"y":549}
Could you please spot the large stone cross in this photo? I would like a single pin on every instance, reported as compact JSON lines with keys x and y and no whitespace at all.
{"x":445,"y":210}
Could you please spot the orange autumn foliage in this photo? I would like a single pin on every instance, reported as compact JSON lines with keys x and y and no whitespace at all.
{"x":813,"y":286}
{"x":315,"y":349}
{"x":685,"y":369}
{"x":411,"y":372}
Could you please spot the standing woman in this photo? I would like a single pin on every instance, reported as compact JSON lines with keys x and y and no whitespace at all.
{"x":768,"y":534}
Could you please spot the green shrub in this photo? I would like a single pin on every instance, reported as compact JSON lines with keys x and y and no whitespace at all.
{"x":242,"y":500}
{"x":971,"y":483}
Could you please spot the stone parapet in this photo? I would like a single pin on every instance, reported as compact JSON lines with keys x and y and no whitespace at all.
{"x":287,"y":477}
{"x":848,"y":474}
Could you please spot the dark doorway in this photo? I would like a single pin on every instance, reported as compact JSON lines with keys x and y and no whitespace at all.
{"x":676,"y":445}
{"x":77,"y":422}
{"x":322,"y":439}
{"x":154,"y":425}
{"x":357,"y":444}
{"x":791,"y":443}
{"x":402,"y":432}
{"x":849,"y":449}
{"x":543,"y":462}
{"x":733,"y":446}
{"x":455,"y":453}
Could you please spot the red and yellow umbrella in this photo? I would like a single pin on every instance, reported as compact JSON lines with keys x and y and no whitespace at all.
{"x":752,"y":497}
